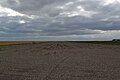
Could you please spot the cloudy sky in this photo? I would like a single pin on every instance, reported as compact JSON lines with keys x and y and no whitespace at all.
{"x":59,"y":19}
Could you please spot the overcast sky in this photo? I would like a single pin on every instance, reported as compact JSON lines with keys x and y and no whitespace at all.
{"x":59,"y":19}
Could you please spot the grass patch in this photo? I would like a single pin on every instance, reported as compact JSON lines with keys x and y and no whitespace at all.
{"x":7,"y":43}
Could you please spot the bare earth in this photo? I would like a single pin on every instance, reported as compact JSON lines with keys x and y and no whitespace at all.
{"x":60,"y":61}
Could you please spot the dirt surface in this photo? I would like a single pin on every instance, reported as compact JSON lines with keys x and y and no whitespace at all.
{"x":60,"y":61}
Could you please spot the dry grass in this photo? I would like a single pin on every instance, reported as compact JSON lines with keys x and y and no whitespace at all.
{"x":8,"y":43}
{"x":4,"y":43}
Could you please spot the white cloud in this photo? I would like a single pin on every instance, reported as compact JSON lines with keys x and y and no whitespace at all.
{"x":69,"y":3}
{"x":17,"y":1}
{"x":22,"y":22}
{"x":112,"y":18}
{"x":108,"y":2}
{"x":80,"y":8}
{"x":9,"y":12}
{"x":65,"y":5}
{"x":69,"y":11}
{"x":88,"y":14}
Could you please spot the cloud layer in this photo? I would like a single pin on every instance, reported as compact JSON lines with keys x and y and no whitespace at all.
{"x":59,"y":19}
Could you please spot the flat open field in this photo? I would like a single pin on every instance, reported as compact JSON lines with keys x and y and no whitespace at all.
{"x":59,"y":61}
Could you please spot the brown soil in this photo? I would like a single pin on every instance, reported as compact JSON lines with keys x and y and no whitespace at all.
{"x":60,"y":61}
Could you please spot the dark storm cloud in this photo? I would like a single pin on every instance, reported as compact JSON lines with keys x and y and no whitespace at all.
{"x":35,"y":18}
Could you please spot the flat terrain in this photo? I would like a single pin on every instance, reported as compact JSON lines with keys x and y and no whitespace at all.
{"x":59,"y":61}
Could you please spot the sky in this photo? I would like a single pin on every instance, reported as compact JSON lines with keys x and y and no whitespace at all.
{"x":81,"y":20}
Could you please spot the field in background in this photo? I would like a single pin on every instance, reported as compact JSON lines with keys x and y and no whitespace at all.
{"x":35,"y":42}
{"x":100,"y":42}
{"x":7,"y":43}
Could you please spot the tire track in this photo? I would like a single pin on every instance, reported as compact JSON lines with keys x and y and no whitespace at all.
{"x":47,"y":77}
